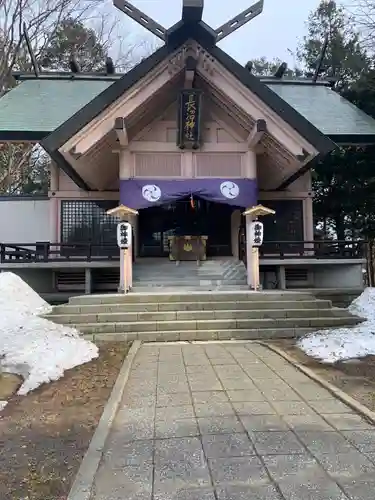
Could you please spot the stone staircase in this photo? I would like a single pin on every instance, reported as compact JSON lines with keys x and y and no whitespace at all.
{"x":200,"y":315}
{"x":155,"y":274}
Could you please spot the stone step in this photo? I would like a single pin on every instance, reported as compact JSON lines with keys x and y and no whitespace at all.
{"x":190,"y":306}
{"x":222,"y":324}
{"x":201,"y":335}
{"x":193,"y":296}
{"x":195,"y":288}
{"x":182,"y":282}
{"x":238,"y":314}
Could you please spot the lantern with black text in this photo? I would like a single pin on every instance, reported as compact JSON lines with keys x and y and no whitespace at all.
{"x":124,"y":235}
{"x":256,"y":233}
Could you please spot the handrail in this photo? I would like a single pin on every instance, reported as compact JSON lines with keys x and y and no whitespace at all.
{"x":57,"y":252}
{"x":317,"y":249}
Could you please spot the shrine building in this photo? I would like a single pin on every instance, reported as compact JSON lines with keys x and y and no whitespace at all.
{"x":189,"y":139}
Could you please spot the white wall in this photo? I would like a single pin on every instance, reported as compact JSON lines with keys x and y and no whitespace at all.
{"x":24,"y":220}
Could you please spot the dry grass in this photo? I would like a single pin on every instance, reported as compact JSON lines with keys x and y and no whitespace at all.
{"x":47,"y":432}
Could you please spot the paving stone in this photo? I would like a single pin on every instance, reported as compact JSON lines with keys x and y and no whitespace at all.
{"x":312,"y":392}
{"x":205,"y":384}
{"x":362,"y":489}
{"x":201,"y":369}
{"x":186,"y":436}
{"x":219,"y":425}
{"x":132,"y":483}
{"x":171,"y":378}
{"x":209,"y":397}
{"x":246,"y":395}
{"x":173,"y":387}
{"x":307,"y":423}
{"x":227,"y":445}
{"x":253,"y":408}
{"x":251,"y":492}
{"x":363,"y":440}
{"x":175,"y":449}
{"x":279,"y":395}
{"x":144,"y":387}
{"x":296,"y":467}
{"x":187,"y":494}
{"x":320,"y":487}
{"x":176,"y":428}
{"x":173,"y":399}
{"x":321,"y":443}
{"x":346,"y":465}
{"x":348,"y":421}
{"x":234,"y":371}
{"x":223,"y":360}
{"x":272,"y":384}
{"x":330,"y":406}
{"x":171,"y":368}
{"x":292,"y":408}
{"x":273,"y":443}
{"x":195,"y":360}
{"x":119,"y":455}
{"x":175,"y":412}
{"x":213,"y":409}
{"x":129,"y":415}
{"x":263,"y":423}
{"x":238,"y":471}
{"x":187,"y":470}
{"x":238,"y":383}
{"x":138,"y":401}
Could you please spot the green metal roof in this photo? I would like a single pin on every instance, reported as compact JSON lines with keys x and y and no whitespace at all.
{"x":41,"y":105}
{"x":327,"y":110}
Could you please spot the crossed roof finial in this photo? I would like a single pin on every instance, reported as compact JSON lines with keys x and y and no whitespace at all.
{"x":192,"y":11}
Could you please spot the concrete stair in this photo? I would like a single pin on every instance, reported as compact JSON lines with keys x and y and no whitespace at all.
{"x":200,"y":315}
{"x":214,"y":274}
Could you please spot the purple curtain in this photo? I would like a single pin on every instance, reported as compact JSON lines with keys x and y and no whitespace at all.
{"x":138,"y":193}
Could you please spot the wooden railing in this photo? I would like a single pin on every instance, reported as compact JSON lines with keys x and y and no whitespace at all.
{"x":326,"y":249}
{"x":88,"y":252}
{"x":57,"y":252}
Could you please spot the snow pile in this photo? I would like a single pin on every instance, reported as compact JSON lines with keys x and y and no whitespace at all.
{"x":340,"y":344}
{"x":33,"y":347}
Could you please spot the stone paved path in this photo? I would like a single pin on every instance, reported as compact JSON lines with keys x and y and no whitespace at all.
{"x":232,"y":421}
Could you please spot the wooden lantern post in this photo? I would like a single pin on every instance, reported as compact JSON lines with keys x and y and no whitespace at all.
{"x":252,"y":253}
{"x":126,"y":256}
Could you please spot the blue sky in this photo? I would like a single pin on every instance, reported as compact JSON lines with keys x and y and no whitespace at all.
{"x":280,"y":27}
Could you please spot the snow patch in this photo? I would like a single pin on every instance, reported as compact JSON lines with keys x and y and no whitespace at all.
{"x":33,"y":347}
{"x":330,"y":346}
{"x":3,"y":404}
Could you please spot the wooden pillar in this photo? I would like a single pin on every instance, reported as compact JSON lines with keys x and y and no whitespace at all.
{"x":54,"y":203}
{"x":252,"y":258}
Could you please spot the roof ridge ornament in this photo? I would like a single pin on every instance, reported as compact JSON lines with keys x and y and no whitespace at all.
{"x":192,"y":11}
{"x":240,"y":20}
{"x":141,"y":18}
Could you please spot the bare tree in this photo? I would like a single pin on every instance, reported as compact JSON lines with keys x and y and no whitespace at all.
{"x":362,"y":13}
{"x":19,"y":162}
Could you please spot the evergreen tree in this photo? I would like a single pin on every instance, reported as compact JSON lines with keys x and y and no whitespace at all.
{"x":264,"y":67}
{"x":345,"y":60}
{"x":342,"y":182}
{"x":73,"y":39}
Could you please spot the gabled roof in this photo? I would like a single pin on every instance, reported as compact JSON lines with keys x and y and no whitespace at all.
{"x":333,"y":115}
{"x":176,"y":37}
{"x":37,"y":107}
